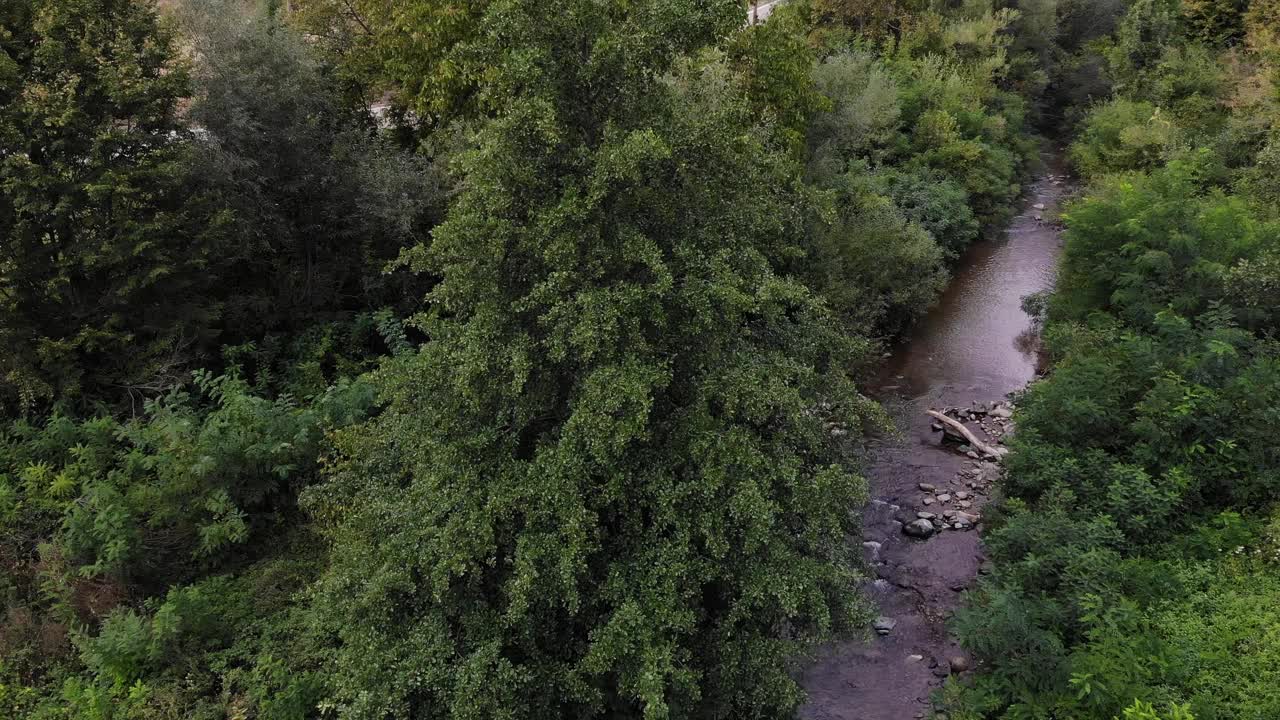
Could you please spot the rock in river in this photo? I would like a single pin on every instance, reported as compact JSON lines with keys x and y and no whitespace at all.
{"x":885,"y":625}
{"x":918,"y":528}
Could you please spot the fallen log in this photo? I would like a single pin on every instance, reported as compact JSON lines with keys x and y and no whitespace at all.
{"x":984,"y":448}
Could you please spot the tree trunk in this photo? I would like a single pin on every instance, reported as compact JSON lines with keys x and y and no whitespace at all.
{"x":991,"y":450}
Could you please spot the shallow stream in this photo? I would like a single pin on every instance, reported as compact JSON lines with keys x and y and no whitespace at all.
{"x":975,"y":345}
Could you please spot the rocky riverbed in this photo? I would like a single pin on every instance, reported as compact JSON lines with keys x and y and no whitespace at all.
{"x":922,"y":528}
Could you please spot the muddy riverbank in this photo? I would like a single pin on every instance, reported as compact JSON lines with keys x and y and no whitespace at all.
{"x":976,"y":345}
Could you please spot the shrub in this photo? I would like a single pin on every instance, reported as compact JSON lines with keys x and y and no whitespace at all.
{"x":877,"y":269}
{"x":1141,"y":243}
{"x":1122,"y":135}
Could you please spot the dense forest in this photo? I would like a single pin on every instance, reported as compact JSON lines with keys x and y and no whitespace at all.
{"x":508,"y":359}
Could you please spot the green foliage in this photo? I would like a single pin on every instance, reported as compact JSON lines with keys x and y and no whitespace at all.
{"x":200,"y":484}
{"x":607,"y":465}
{"x":1134,"y":544}
{"x":1216,"y":23}
{"x":104,"y":259}
{"x":1146,"y":31}
{"x":129,"y":645}
{"x":917,"y":153}
{"x":306,"y":363}
{"x":878,"y":269}
{"x":182,"y":482}
{"x":1142,"y":243}
{"x":933,"y":201}
{"x":1071,"y":620}
{"x":422,"y":50}
{"x":1146,"y":711}
{"x":318,"y":205}
{"x":864,"y":119}
{"x":599,"y":489}
{"x":933,"y":112}
{"x":1056,"y":59}
{"x":1260,"y":183}
{"x":133,"y":245}
{"x":1260,"y":23}
{"x":869,"y":19}
{"x":1123,"y":135}
{"x":1253,"y":286}
{"x":1222,"y":641}
{"x":777,"y":67}
{"x":212,"y":649}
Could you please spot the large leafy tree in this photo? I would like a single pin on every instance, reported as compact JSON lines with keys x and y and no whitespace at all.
{"x":101,"y":255}
{"x":608,"y":485}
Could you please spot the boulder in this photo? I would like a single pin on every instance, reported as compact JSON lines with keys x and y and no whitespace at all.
{"x":884,"y":625}
{"x":918,"y":528}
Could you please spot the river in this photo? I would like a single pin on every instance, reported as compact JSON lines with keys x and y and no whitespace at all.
{"x":976,"y":344}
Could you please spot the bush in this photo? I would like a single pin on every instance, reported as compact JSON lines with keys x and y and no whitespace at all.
{"x":865,"y":116}
{"x":1122,"y":135}
{"x":141,"y":500}
{"x":877,"y":269}
{"x":933,"y":201}
{"x":1140,"y":243}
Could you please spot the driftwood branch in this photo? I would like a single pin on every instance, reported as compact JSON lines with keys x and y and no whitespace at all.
{"x":959,"y":427}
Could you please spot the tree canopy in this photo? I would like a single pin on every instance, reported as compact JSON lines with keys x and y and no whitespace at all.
{"x":422,"y":359}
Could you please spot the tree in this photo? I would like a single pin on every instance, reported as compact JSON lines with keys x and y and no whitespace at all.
{"x":318,"y":203}
{"x":607,"y":485}
{"x":104,"y":261}
{"x":875,"y":19}
{"x":777,"y":65}
{"x":1262,"y":29}
{"x":1216,"y":23}
{"x":423,"y":50}
{"x":878,"y":270}
{"x":1142,"y":243}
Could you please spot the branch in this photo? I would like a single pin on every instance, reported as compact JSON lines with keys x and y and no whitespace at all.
{"x":959,"y":427}
{"x":356,"y":16}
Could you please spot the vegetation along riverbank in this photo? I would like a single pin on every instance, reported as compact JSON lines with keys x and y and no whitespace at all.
{"x":513,"y":359}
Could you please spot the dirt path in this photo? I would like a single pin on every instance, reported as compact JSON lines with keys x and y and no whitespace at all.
{"x":976,"y":346}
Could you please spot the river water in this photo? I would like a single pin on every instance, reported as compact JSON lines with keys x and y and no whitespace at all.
{"x":976,"y":344}
{"x":977,"y":341}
